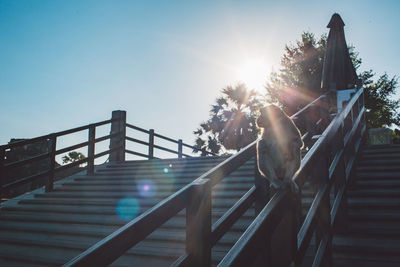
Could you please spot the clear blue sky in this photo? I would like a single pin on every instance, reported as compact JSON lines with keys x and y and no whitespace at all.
{"x":68,"y":63}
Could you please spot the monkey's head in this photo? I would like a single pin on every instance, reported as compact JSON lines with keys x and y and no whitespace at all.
{"x":269,"y":115}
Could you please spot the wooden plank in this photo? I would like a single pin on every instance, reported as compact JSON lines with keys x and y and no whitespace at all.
{"x":231,"y":216}
{"x":305,"y":233}
{"x":112,"y":247}
{"x":198,"y":224}
{"x":248,"y":246}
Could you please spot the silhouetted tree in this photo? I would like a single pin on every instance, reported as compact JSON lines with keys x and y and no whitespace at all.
{"x":381,"y":110}
{"x":299,"y":81}
{"x":231,"y":125}
{"x":72,"y":157}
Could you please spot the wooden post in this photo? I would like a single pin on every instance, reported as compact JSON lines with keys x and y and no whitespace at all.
{"x":340,"y":180}
{"x":324,"y":113}
{"x":198,"y":224}
{"x":323,"y":227}
{"x":118,"y":141}
{"x":262,"y":190}
{"x":180,"y":148}
{"x":91,"y":150}
{"x":2,"y":171}
{"x":151,"y":143}
{"x":283,"y":241}
{"x":262,"y":195}
{"x":52,"y":157}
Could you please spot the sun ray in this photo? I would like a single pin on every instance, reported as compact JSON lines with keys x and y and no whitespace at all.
{"x":253,"y":72}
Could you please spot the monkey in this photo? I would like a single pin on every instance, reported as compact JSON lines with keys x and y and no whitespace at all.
{"x":278,"y":150}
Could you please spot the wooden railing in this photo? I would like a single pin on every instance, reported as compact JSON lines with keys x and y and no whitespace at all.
{"x":195,"y":197}
{"x":50,"y":156}
{"x":328,"y":167}
{"x":116,"y":151}
{"x":152,"y":145}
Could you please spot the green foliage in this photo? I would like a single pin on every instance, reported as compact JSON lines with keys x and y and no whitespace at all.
{"x":299,"y":79}
{"x":381,"y":109}
{"x":72,"y":157}
{"x":231,"y":125}
{"x":299,"y":82}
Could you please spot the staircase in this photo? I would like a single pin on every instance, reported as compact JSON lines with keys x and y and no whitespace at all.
{"x":89,"y":217}
{"x":49,"y":229}
{"x":373,"y":229}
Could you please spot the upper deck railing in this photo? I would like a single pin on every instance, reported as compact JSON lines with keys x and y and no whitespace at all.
{"x":118,"y":140}
{"x":195,"y":197}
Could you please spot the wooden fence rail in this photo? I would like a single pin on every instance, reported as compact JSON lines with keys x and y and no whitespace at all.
{"x":199,"y":241}
{"x":328,"y":166}
{"x":116,"y":151}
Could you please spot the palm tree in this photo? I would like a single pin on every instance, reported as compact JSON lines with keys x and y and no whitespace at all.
{"x":231,"y":125}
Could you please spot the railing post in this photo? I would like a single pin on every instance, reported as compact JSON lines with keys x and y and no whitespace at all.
{"x":198,"y":224}
{"x":151,"y":143}
{"x":262,"y":190}
{"x":118,"y":141}
{"x":180,"y":147}
{"x":91,"y":150}
{"x":323,"y":227}
{"x":262,"y":195}
{"x":339,"y":181}
{"x":52,"y":157}
{"x":282,"y":247}
{"x":2,"y":171}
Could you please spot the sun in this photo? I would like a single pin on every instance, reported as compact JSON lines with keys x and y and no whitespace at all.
{"x":253,"y":72}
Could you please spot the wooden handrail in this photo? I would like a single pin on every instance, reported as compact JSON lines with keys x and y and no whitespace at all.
{"x":58,"y":134}
{"x":90,"y":144}
{"x":321,"y":217}
{"x":151,"y":143}
{"x":104,"y":252}
{"x":232,"y":215}
{"x":243,"y":253}
{"x":112,"y":247}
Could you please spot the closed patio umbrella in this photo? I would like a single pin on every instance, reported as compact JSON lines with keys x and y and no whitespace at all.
{"x":338,"y":71}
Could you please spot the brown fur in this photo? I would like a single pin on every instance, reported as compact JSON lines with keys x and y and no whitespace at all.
{"x":278,"y":151}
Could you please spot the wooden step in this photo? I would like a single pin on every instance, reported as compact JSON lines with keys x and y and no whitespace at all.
{"x":378,"y":168}
{"x":374,"y":215}
{"x":384,"y":193}
{"x":378,"y":161}
{"x":366,"y":245}
{"x":121,"y":195}
{"x":377,"y":176}
{"x":138,"y":187}
{"x":377,"y":184}
{"x":373,"y":203}
{"x":381,"y":149}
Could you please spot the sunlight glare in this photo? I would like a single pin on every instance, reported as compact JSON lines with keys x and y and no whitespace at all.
{"x":253,"y":72}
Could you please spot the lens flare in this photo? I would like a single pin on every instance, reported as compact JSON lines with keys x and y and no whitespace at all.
{"x":146,"y":188}
{"x":128,"y":208}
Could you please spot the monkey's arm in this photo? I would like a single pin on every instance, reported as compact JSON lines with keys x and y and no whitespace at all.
{"x":264,"y":164}
{"x":291,"y":167}
{"x":296,"y":135}
{"x":293,"y":164}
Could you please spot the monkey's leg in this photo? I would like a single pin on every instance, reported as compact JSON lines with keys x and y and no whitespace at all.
{"x":265,"y":164}
{"x":291,"y":168}
{"x":269,"y":172}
